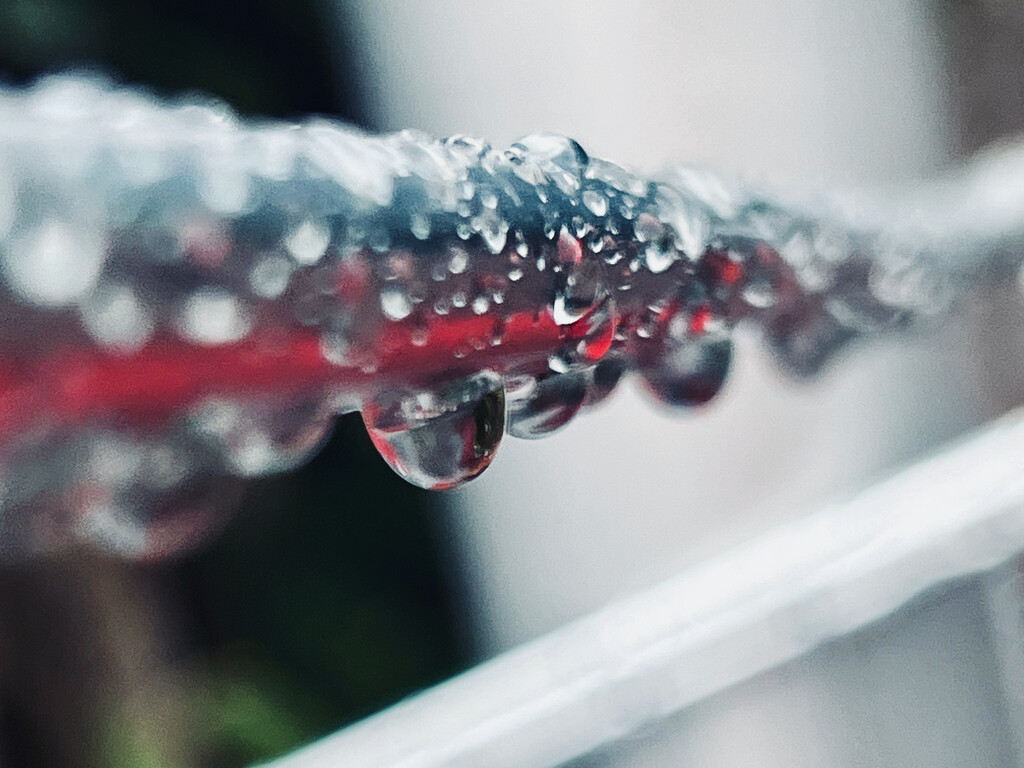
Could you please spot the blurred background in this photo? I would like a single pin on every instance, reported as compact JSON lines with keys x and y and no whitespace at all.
{"x":338,"y":589}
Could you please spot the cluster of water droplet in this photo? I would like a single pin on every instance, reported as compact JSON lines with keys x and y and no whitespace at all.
{"x":204,"y":297}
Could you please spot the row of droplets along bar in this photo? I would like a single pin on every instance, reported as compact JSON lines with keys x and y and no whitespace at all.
{"x":188,"y":298}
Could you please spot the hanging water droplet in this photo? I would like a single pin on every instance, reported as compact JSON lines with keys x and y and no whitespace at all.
{"x":439,"y":440}
{"x":515,"y":275}
{"x":690,"y":373}
{"x":547,"y":406}
{"x":395,"y":302}
{"x":596,"y":203}
{"x":603,"y":378}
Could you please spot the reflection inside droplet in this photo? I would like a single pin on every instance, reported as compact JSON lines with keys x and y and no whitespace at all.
{"x":441,"y":439}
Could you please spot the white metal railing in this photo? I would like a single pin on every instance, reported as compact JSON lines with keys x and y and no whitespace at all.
{"x":665,"y":648}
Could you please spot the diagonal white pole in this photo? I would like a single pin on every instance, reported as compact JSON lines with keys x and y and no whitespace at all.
{"x":747,"y":611}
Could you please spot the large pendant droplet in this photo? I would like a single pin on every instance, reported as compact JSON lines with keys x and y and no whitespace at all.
{"x":690,"y":374}
{"x":439,"y":439}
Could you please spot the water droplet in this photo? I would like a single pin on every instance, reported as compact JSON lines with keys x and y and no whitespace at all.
{"x":261,"y":437}
{"x":598,"y":331}
{"x":441,"y":439}
{"x":759,"y":294}
{"x":116,"y":317}
{"x":395,"y":302}
{"x":488,"y":198}
{"x":687,"y":218}
{"x":419,"y":225}
{"x":492,"y":229}
{"x":213,"y":316}
{"x":547,"y":406}
{"x":419,"y":337}
{"x":55,"y":263}
{"x":442,"y":306}
{"x":603,"y":379}
{"x":596,"y":203}
{"x":616,"y":177}
{"x":466,"y":148}
{"x":648,"y":229}
{"x":459,"y":299}
{"x":480,"y":305}
{"x":459,"y":261}
{"x":579,"y":289}
{"x":379,"y":240}
{"x":558,"y":364}
{"x":270,"y":275}
{"x":308,"y":241}
{"x":560,"y":158}
{"x":658,"y":258}
{"x":522,"y":247}
{"x":334,"y":347}
{"x":515,"y":275}
{"x":689,"y":373}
